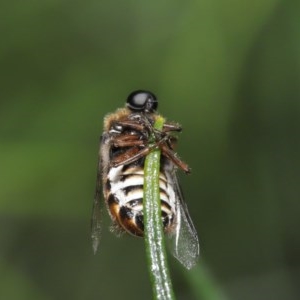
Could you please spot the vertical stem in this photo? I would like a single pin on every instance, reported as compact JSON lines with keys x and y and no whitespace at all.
{"x":153,"y":229}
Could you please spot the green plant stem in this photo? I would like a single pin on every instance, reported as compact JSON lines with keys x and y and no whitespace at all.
{"x":203,"y":285}
{"x":153,"y":229}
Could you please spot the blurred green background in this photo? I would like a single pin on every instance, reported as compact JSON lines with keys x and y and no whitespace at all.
{"x":228,"y":71}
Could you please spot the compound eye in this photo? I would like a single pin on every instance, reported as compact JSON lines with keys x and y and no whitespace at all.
{"x":142,"y":101}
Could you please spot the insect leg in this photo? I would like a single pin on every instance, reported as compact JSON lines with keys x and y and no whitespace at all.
{"x":131,"y":156}
{"x":131,"y":125}
{"x":176,"y":160}
{"x":171,"y":127}
{"x":127,"y":141}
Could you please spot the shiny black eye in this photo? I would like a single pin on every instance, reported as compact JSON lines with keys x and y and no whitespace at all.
{"x":142,"y":101}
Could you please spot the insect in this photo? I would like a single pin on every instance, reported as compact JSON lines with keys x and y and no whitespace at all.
{"x":123,"y":147}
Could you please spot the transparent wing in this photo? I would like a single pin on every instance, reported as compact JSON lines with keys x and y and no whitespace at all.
{"x":96,"y":213}
{"x":185,"y":244}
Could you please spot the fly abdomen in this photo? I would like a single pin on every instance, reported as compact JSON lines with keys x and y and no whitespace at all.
{"x":125,"y":200}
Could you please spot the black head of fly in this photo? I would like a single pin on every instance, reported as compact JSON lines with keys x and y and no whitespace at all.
{"x":142,"y":101}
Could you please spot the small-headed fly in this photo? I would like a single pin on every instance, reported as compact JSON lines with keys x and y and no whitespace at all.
{"x":123,"y":148}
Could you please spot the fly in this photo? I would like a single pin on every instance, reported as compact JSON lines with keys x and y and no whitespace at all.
{"x":120,"y":176}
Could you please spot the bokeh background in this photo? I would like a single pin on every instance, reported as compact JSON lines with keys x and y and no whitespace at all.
{"x":228,"y":71}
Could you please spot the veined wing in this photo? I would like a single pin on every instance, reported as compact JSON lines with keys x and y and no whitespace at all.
{"x":96,"y":213}
{"x":102,"y":166}
{"x":185,"y":243}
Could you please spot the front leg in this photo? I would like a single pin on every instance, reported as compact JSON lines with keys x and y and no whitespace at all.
{"x":130,"y":124}
{"x":128,"y":140}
